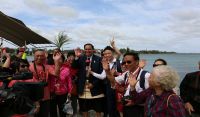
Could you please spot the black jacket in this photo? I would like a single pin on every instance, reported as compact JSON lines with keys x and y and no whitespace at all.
{"x":96,"y":66}
{"x":190,"y":89}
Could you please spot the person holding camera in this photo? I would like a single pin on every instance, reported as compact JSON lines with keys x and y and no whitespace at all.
{"x":22,"y":94}
{"x":131,"y":62}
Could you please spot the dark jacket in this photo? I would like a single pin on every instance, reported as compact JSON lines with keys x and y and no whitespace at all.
{"x":96,"y":67}
{"x":190,"y":89}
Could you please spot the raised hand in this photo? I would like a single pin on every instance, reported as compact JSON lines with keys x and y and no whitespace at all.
{"x":142,"y":63}
{"x":132,"y":81}
{"x":57,"y":56}
{"x":105,"y":64}
{"x":7,"y":55}
{"x":112,"y":42}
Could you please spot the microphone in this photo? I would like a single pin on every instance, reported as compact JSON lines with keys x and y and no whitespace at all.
{"x":88,"y":61}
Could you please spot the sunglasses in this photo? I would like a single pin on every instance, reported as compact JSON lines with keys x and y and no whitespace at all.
{"x":23,"y":66}
{"x":155,"y":65}
{"x":128,"y":62}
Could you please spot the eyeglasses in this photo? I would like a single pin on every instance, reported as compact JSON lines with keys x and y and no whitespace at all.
{"x":155,"y":65}
{"x":23,"y":66}
{"x":128,"y":62}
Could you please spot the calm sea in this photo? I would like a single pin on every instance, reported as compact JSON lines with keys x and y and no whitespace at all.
{"x":183,"y":63}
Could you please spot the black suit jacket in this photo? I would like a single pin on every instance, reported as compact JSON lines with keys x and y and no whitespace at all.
{"x":190,"y":89}
{"x":96,"y":67}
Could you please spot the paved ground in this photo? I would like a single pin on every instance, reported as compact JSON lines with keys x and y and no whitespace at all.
{"x":92,"y":114}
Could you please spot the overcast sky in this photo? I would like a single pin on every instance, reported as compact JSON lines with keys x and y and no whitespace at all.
{"x":166,"y":25}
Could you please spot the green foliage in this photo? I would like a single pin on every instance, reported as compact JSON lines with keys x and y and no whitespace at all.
{"x":123,"y":50}
{"x":61,"y":40}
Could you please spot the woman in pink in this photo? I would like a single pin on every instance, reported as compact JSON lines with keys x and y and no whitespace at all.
{"x":60,"y":88}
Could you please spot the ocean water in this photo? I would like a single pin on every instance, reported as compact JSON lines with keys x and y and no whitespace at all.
{"x":183,"y":63}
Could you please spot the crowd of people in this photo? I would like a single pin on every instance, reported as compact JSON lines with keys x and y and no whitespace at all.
{"x":104,"y":83}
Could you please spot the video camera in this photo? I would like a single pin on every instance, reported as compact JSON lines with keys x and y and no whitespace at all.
{"x":20,"y":98}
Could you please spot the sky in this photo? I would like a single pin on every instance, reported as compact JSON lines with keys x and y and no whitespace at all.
{"x":165,"y":25}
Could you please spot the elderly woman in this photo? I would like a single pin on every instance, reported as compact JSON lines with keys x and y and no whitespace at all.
{"x":160,"y":100}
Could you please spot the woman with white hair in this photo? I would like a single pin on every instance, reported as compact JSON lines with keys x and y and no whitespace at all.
{"x":160,"y":100}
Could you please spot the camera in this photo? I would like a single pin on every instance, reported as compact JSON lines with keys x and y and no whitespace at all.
{"x":124,"y":98}
{"x":20,"y":98}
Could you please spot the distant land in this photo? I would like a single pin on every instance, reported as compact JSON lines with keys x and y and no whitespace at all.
{"x":122,"y":50}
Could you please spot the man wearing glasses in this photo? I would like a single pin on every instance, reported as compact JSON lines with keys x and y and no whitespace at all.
{"x":131,"y":62}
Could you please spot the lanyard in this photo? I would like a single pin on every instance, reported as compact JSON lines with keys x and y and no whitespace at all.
{"x":35,"y":69}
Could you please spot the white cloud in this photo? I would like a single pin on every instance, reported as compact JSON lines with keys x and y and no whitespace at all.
{"x":43,"y":8}
{"x":139,"y":24}
{"x":11,"y":7}
{"x":185,"y":24}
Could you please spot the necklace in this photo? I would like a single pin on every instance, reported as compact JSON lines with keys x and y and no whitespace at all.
{"x":35,"y":69}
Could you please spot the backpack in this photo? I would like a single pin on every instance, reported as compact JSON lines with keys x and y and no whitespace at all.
{"x":142,"y":79}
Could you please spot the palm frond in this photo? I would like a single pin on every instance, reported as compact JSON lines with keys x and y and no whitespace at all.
{"x":61,"y":39}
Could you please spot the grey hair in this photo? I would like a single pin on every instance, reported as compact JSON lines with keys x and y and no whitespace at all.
{"x":166,"y":76}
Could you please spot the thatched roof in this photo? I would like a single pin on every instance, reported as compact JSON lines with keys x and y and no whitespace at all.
{"x":16,"y":31}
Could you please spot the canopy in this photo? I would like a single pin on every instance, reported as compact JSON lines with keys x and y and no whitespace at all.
{"x":16,"y":31}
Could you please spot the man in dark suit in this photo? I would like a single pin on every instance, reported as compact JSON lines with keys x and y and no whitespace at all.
{"x":190,"y":93}
{"x":90,"y":88}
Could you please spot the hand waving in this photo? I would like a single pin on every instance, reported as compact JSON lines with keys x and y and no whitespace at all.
{"x":142,"y":63}
{"x":132,"y":81}
{"x":105,"y":64}
{"x":57,"y":56}
{"x":112,"y":42}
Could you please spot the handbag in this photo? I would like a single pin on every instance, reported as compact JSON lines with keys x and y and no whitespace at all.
{"x":68,"y":107}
